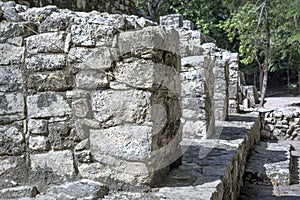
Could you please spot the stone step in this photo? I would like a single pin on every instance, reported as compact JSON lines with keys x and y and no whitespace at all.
{"x":270,"y":164}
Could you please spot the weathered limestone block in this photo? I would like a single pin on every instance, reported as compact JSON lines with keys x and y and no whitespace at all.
{"x":11,"y":78}
{"x":174,"y":20}
{"x":81,"y":108}
{"x":145,"y":74}
{"x":48,"y":104}
{"x":115,"y":169}
{"x":50,"y":81}
{"x":100,"y":58}
{"x":47,"y":43}
{"x":118,"y":6}
{"x":11,"y":54}
{"x":18,"y":192}
{"x":39,"y":143}
{"x":91,"y":80}
{"x":42,"y":62}
{"x":131,"y":106}
{"x":39,"y":127}
{"x":91,"y":35}
{"x":62,"y":135}
{"x":11,"y":107}
{"x":135,"y":145}
{"x":59,"y":162}
{"x":12,"y":140}
{"x":86,"y":189}
{"x":12,"y":171}
{"x":188,"y":25}
{"x":57,"y":21}
{"x":13,"y":29}
{"x":147,"y":38}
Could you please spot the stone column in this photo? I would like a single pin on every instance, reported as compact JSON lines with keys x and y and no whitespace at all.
{"x":139,"y":114}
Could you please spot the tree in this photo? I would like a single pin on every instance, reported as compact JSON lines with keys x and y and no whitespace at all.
{"x":261,"y":26}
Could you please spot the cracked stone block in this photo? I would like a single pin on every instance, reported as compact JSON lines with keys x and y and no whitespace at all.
{"x":11,"y":29}
{"x":145,"y":74}
{"x":11,"y":107}
{"x":47,"y":104}
{"x":13,"y":171}
{"x":86,"y":189}
{"x":11,"y":54}
{"x":11,"y":78}
{"x":59,"y":162}
{"x":149,"y":38}
{"x":97,"y":58}
{"x":42,"y":62}
{"x":46,"y":43}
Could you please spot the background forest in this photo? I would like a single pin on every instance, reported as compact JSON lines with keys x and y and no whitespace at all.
{"x":266,"y":33}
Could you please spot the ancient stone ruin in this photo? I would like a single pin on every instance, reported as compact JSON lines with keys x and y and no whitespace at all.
{"x":107,"y":102}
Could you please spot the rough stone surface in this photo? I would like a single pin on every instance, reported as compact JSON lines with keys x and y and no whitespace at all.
{"x":85,"y":189}
{"x":123,"y":7}
{"x":107,"y":98}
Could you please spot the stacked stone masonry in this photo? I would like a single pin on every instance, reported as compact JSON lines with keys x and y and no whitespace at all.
{"x":209,"y":80}
{"x":111,"y":6}
{"x":97,"y":101}
{"x":83,"y":96}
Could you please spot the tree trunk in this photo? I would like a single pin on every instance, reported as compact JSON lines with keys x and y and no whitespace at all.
{"x":267,"y":50}
{"x":299,"y":79}
{"x":288,"y":79}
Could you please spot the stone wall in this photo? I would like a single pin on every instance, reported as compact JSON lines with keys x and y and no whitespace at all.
{"x":209,"y":79}
{"x":111,"y":6}
{"x":281,"y":123}
{"x":83,"y":95}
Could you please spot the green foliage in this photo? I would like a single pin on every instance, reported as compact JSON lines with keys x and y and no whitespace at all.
{"x":206,"y":15}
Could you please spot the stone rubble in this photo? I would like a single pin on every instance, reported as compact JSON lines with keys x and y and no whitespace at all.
{"x":282,"y":123}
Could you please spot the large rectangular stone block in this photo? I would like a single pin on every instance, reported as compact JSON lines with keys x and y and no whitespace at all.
{"x":132,"y":143}
{"x":48,"y":104}
{"x":13,"y":29}
{"x":50,"y":81}
{"x":148,"y":38}
{"x":11,"y":78}
{"x":118,"y":107}
{"x":12,"y":139}
{"x":42,"y":62}
{"x":60,"y":163}
{"x":92,"y":58}
{"x":11,"y":107}
{"x":47,"y":43}
{"x":11,"y":54}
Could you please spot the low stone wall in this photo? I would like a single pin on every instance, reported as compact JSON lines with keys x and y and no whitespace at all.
{"x":82,"y":96}
{"x":111,"y":6}
{"x":282,"y":123}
